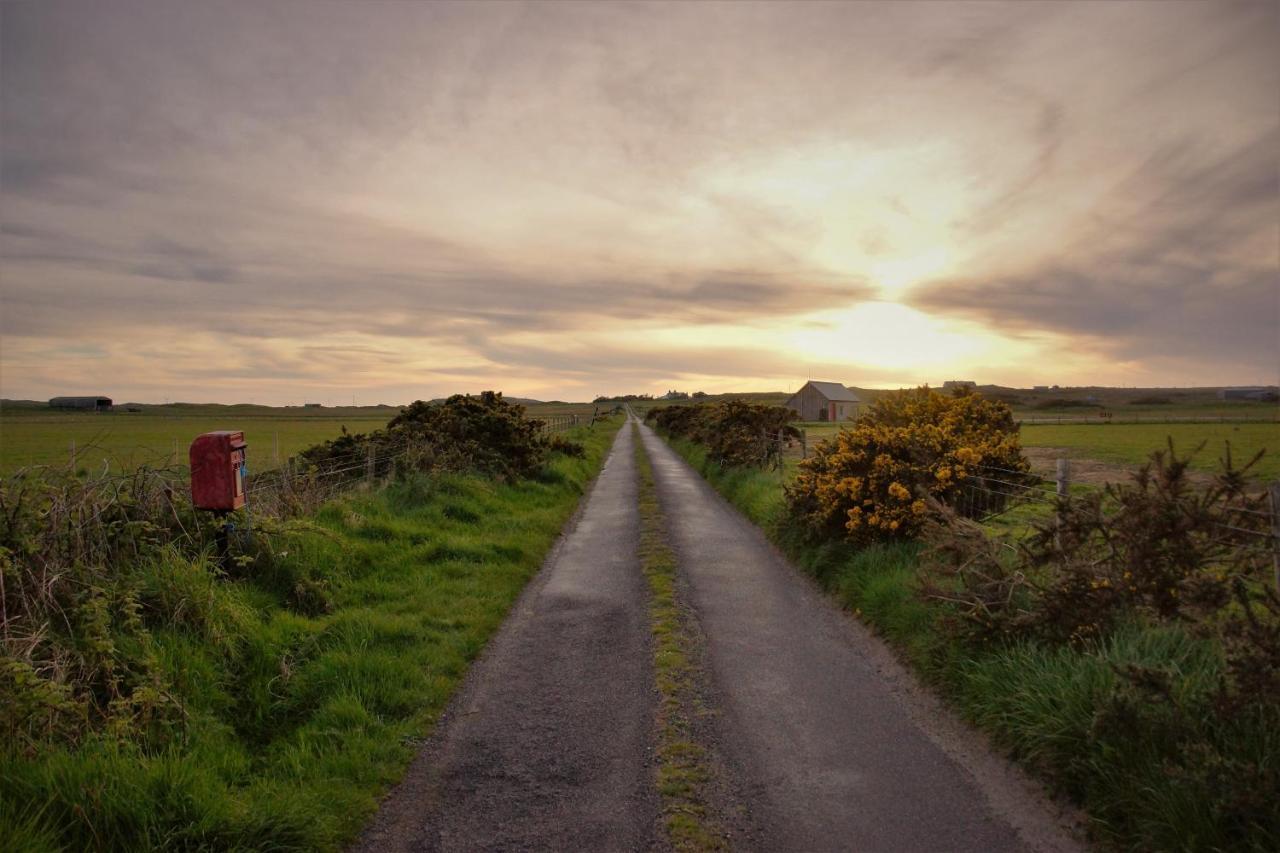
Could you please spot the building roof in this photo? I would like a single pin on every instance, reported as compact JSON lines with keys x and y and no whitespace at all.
{"x":834,"y":391}
{"x":81,"y":401}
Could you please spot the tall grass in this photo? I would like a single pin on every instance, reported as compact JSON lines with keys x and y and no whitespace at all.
{"x":284,"y":721}
{"x":1155,"y":769}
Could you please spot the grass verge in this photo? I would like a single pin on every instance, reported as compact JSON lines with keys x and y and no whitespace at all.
{"x":1153,"y":771}
{"x":294,"y":722}
{"x":684,"y":766}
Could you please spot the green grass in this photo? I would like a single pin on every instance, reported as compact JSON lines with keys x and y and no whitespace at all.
{"x":683,"y":767}
{"x":35,"y":435}
{"x":125,"y":441}
{"x":1135,"y":762}
{"x":296,"y":723}
{"x":1132,"y":444}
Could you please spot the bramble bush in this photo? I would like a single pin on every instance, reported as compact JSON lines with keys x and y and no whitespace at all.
{"x":734,"y":432}
{"x":874,"y":481}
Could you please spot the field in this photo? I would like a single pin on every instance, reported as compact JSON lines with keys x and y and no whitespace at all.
{"x":31,"y":434}
{"x":1132,"y":444}
{"x":1129,"y":445}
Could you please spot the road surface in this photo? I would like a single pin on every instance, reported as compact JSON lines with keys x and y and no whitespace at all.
{"x":829,"y":744}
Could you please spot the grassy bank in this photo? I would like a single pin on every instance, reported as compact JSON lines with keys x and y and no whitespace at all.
{"x":290,"y":720}
{"x":1154,"y":769}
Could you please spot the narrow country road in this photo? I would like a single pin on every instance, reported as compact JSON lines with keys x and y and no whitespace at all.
{"x":550,"y":744}
{"x":833,"y":759}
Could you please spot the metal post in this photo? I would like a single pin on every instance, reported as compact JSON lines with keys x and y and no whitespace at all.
{"x":1274,"y":489}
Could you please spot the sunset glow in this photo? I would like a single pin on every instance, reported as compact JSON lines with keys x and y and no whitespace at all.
{"x":304,"y":200}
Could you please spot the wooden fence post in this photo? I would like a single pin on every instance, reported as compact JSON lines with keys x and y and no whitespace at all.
{"x":1063,"y":490}
{"x":804,"y":443}
{"x":368,"y":465}
{"x":1274,"y":489}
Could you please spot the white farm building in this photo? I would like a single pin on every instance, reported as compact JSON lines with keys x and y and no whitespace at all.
{"x":824,"y":401}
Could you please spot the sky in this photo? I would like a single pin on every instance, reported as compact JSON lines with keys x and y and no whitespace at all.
{"x":281,"y":201}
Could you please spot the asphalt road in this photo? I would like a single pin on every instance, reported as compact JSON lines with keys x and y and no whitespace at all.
{"x":832,"y":754}
{"x":549,"y":745}
{"x":826,"y":742}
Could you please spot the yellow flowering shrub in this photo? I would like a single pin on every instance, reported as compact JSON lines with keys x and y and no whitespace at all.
{"x":873,"y":481}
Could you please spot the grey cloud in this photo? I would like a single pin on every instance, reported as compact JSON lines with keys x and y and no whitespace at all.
{"x":1180,"y":263}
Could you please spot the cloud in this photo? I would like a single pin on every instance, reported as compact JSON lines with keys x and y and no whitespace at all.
{"x":412,"y":195}
{"x":1178,"y":261}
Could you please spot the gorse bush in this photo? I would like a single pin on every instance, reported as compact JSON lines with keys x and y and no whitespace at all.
{"x":1159,"y":546}
{"x":874,"y":481}
{"x":1156,"y":554}
{"x":464,"y":433}
{"x":734,"y":432}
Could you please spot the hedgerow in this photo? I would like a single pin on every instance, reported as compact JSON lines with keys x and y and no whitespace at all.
{"x":874,"y":480}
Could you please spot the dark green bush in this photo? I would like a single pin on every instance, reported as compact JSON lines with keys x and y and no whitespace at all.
{"x":735,"y":432}
{"x":464,"y":433}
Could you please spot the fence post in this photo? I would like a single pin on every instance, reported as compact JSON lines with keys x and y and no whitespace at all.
{"x":73,"y":456}
{"x":1063,"y":486}
{"x":1274,"y":489}
{"x":368,"y":465}
{"x":804,"y":443}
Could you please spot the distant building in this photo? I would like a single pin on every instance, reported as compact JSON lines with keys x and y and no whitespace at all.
{"x":952,"y":384}
{"x":82,"y":404}
{"x":313,"y":405}
{"x":824,"y":401}
{"x":1255,"y":393}
{"x":1041,"y":388}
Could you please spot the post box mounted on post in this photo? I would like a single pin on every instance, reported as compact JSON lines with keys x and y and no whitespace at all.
{"x":218,"y":470}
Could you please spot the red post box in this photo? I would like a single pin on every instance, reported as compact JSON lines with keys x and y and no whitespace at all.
{"x":218,"y":470}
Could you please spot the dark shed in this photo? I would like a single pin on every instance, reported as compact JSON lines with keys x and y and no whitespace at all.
{"x":82,"y":404}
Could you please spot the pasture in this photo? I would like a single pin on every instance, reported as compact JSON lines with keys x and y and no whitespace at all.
{"x":1132,"y":444}
{"x":1129,"y":445}
{"x":32,"y":434}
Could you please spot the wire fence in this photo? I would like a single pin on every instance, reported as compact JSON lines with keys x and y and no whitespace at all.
{"x":989,"y":492}
{"x":289,"y":487}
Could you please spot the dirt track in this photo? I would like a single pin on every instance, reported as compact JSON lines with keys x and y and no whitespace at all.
{"x":829,"y":743}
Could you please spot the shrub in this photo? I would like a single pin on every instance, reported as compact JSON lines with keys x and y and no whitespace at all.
{"x":565,"y":447}
{"x":1157,"y":545}
{"x":874,"y":481}
{"x":735,"y":432}
{"x":464,"y":433}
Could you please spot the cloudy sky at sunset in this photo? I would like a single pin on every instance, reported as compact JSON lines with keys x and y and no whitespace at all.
{"x":284,"y":200}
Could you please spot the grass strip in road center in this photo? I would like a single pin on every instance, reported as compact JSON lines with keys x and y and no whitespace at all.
{"x":684,"y":771}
